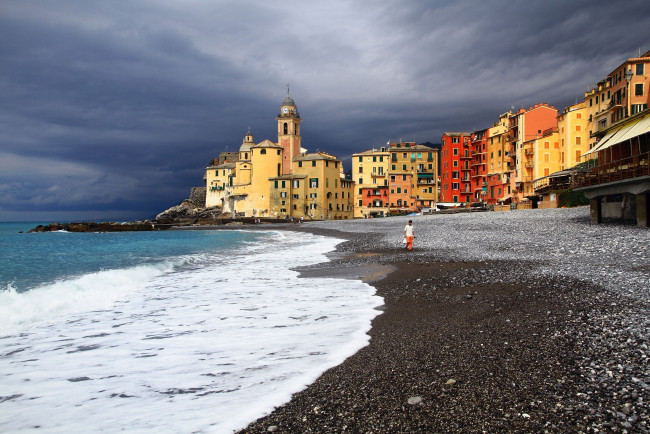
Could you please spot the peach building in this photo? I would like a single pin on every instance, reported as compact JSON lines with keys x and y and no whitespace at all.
{"x":525,"y":126}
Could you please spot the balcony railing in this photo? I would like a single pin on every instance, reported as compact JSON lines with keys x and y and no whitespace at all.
{"x":529,"y":151}
{"x":627,"y":168}
{"x":529,"y":164}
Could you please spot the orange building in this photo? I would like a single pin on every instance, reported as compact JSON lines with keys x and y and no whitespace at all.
{"x":526,"y":125}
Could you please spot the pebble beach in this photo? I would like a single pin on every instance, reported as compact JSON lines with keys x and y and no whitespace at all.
{"x":528,"y":321}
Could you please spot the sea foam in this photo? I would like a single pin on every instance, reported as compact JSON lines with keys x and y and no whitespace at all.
{"x":208,"y":346}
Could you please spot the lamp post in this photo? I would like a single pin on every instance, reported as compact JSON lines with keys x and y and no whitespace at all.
{"x":628,"y":78}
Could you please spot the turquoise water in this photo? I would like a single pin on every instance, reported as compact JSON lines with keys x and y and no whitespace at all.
{"x":30,"y":260}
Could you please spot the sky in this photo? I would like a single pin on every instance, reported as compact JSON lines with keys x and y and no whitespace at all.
{"x":113,"y":109}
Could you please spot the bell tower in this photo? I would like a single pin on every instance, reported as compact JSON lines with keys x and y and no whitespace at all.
{"x":288,"y":132}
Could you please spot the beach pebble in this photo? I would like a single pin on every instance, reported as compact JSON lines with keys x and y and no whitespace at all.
{"x":272,"y":428}
{"x":413,"y":400}
{"x":450,"y":382}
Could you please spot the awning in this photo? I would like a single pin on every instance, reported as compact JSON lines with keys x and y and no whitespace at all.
{"x":626,"y":133}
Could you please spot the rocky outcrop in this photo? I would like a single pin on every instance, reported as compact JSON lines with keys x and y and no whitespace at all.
{"x":188,"y":213}
{"x":146,"y":225}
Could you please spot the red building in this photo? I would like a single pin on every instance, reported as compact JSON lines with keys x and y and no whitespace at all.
{"x":455,"y":171}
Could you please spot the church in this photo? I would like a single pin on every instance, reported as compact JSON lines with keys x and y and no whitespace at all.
{"x":280,"y":179}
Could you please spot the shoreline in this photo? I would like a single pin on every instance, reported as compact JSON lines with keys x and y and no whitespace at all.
{"x":466,"y":346}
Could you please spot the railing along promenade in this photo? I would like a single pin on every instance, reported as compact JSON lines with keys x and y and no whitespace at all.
{"x":626,"y":168}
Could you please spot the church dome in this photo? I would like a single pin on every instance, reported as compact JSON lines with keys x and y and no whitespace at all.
{"x":288,"y":101}
{"x":247,"y":143}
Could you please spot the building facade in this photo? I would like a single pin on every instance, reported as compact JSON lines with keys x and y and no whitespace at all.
{"x":280,"y":180}
{"x":455,"y":172}
{"x":395,"y":180}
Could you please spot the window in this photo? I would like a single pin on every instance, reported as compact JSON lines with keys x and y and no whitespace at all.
{"x":275,"y":184}
{"x":360,"y":180}
{"x":578,"y":140}
{"x":403,"y":166}
{"x":295,"y":196}
{"x":296,"y":183}
{"x":374,"y":158}
{"x":577,"y":155}
{"x":313,"y":195}
{"x":454,"y":140}
{"x":454,"y":186}
{"x":360,"y":159}
{"x":403,"y":177}
{"x":360,"y":169}
{"x":579,"y":115}
{"x":455,"y":163}
{"x":283,"y":186}
{"x":547,"y":157}
{"x":392,"y":167}
{"x":286,"y":128}
{"x":577,"y":127}
{"x":313,"y":182}
{"x":499,"y":153}
{"x":546,"y":171}
{"x":638,"y":89}
{"x":360,"y":203}
{"x":399,"y":190}
{"x":454,"y":174}
{"x":455,"y":151}
{"x":283,"y":194}
{"x":547,"y":145}
{"x":299,"y":163}
{"x":639,"y":69}
{"x":404,"y":155}
{"x":313,"y":163}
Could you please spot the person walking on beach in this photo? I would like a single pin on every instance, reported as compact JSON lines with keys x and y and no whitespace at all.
{"x":409,"y":234}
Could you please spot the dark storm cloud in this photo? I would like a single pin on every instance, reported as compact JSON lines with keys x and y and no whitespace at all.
{"x":118,"y":106}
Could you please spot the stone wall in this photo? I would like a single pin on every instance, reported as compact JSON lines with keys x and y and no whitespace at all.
{"x":198,"y":196}
{"x":230,"y":157}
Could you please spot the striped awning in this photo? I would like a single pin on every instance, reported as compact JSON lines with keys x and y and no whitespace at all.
{"x":622,"y":134}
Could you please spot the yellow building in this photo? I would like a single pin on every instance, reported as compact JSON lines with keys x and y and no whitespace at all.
{"x":218,"y":183}
{"x":596,"y":104}
{"x":573,"y":126}
{"x":541,"y":157}
{"x":280,"y":180}
{"x":370,"y":173}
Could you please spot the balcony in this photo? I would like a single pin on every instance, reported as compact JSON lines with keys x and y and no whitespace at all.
{"x":626,"y":168}
{"x":529,"y":164}
{"x":465,"y":156}
{"x":529,"y":151}
{"x":378,"y":175}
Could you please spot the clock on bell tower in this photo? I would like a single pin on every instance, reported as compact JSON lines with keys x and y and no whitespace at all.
{"x":288,"y":132}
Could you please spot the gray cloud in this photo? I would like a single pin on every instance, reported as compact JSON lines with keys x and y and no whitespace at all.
{"x":116,"y":107}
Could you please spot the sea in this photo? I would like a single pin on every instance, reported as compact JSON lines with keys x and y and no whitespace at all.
{"x":171,"y":331}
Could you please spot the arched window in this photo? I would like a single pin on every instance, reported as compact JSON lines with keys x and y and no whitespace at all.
{"x":286,"y":128}
{"x":263,"y":152}
{"x":279,"y":169}
{"x":246,"y":156}
{"x":296,"y":130}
